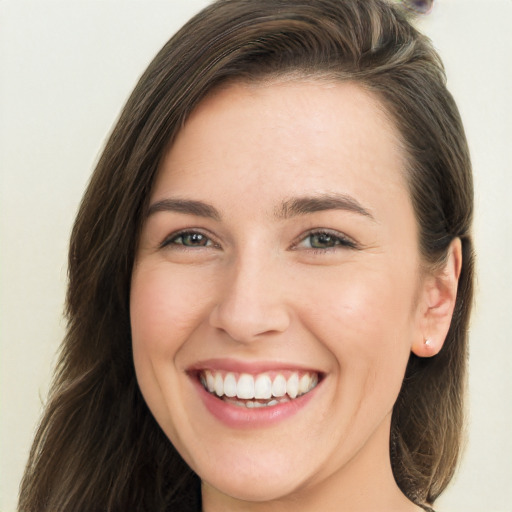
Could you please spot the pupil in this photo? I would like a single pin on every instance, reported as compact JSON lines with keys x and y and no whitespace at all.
{"x":322,"y":240}
{"x":194,"y":239}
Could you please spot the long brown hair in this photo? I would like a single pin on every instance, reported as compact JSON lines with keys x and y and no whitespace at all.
{"x":98,"y":448}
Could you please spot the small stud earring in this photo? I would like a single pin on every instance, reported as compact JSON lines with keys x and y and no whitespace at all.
{"x":428,"y":342}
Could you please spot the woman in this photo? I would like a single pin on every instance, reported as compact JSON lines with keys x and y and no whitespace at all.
{"x":270,"y":276}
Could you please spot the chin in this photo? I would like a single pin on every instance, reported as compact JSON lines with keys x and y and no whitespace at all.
{"x":253,"y":486}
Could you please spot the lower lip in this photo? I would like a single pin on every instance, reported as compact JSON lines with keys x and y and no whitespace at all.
{"x":242,"y":417}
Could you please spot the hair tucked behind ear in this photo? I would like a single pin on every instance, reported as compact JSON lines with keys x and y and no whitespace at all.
{"x":98,"y":448}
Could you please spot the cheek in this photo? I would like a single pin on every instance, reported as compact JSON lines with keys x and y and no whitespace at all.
{"x":164,"y":308}
{"x":164,"y":311}
{"x":365,"y":316}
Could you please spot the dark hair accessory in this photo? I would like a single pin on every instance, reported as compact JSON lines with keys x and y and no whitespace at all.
{"x":419,"y":6}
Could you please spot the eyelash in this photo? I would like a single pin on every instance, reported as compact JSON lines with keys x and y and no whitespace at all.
{"x":172,"y":240}
{"x":338,"y":240}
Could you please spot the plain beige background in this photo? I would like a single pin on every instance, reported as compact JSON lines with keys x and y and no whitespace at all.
{"x":66,"y":68}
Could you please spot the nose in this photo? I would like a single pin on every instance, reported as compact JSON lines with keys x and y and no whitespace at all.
{"x":251,"y":302}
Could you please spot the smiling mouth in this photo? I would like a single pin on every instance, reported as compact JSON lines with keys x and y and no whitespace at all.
{"x":266,"y":389}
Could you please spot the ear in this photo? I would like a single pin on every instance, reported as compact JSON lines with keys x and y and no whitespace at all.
{"x":437,"y":302}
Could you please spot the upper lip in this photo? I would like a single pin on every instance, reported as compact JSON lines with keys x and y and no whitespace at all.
{"x":251,"y":367}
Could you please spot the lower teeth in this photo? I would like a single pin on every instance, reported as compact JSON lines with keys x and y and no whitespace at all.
{"x":252,"y":404}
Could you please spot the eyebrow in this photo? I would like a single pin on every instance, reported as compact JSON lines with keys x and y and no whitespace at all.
{"x":304,"y":205}
{"x":186,"y":206}
{"x":293,"y":207}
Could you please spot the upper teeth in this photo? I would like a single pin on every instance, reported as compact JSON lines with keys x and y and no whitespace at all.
{"x":261,"y":386}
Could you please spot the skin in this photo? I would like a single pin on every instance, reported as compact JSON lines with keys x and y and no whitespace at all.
{"x":259,"y":290}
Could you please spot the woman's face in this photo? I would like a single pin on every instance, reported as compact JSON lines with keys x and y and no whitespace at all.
{"x":278,"y":267}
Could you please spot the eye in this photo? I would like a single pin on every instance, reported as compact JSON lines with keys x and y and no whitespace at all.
{"x":325,"y":240}
{"x":188,"y":239}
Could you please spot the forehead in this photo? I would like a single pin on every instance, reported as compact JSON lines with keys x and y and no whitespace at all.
{"x":285,"y":137}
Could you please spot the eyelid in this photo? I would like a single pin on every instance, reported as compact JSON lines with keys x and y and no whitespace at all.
{"x":167,"y":241}
{"x":346,"y":241}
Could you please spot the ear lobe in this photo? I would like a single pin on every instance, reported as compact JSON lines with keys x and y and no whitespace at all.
{"x":438,"y":302}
